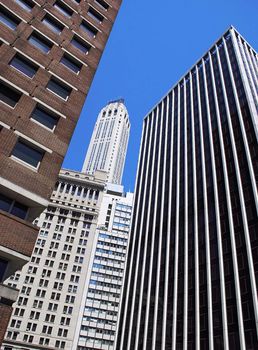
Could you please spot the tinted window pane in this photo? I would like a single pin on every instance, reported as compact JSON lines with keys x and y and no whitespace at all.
{"x":24,"y":66}
{"x":3,"y":266}
{"x":27,"y":153}
{"x":95,"y":15}
{"x":25,"y":4}
{"x":44,"y":117}
{"x":65,"y":10}
{"x":70,"y":63}
{"x":5,"y":203}
{"x":8,"y":18}
{"x":19,"y":210}
{"x":102,"y":4}
{"x":80,"y":44}
{"x":9,"y":95}
{"x":53,"y":24}
{"x":91,"y":31}
{"x":40,"y":42}
{"x":59,"y":88}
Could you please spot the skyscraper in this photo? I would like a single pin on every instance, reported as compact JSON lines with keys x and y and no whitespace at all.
{"x":50,"y":50}
{"x":193,"y":253}
{"x":108,"y":145}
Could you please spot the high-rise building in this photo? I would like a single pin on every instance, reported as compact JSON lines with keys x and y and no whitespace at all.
{"x":70,"y":291}
{"x":97,"y":322}
{"x":193,"y":254}
{"x":52,"y":284}
{"x":50,"y":50}
{"x":108,"y":145}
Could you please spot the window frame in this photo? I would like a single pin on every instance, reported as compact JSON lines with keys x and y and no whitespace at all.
{"x":12,"y":17}
{"x":31,"y":145}
{"x":47,"y":111}
{"x":38,"y":36}
{"x":55,"y":26}
{"x":9,"y":87}
{"x":57,"y":81}
{"x":73,"y":61}
{"x":22,"y":60}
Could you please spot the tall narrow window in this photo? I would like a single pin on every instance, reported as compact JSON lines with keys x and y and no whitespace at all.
{"x":59,"y":88}
{"x":9,"y":95}
{"x":23,"y":65}
{"x":40,"y":42}
{"x":53,"y":24}
{"x":8,"y":19}
{"x":28,"y":153}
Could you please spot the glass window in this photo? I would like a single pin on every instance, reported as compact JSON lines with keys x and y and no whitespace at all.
{"x":5,"y":203}
{"x":80,"y":44}
{"x":25,"y":4}
{"x":28,"y":153}
{"x":95,"y":15}
{"x":102,"y":4}
{"x":53,"y":24}
{"x":65,"y":10}
{"x":8,"y":94}
{"x":71,"y":63}
{"x":8,"y":19}
{"x":90,"y":30}
{"x":24,"y":65}
{"x":59,"y":88}
{"x":45,"y":117}
{"x":11,"y":206}
{"x":40,"y":42}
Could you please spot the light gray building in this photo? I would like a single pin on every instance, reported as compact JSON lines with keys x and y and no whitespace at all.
{"x":108,"y":145}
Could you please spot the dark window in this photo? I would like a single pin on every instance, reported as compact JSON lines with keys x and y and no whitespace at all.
{"x":28,"y":153}
{"x":3,"y":265}
{"x":80,"y":44}
{"x":59,"y":88}
{"x":11,"y":206}
{"x":90,"y":30}
{"x":25,"y":4}
{"x":45,"y":117}
{"x":40,"y":42}
{"x":9,"y":95}
{"x":53,"y":24}
{"x":23,"y":65}
{"x":65,"y":10}
{"x":95,"y":15}
{"x":71,"y":63}
{"x":8,"y":19}
{"x":102,"y":4}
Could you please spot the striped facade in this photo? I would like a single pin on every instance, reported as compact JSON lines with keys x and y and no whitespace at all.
{"x":193,"y":252}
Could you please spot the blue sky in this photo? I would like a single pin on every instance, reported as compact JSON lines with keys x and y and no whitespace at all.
{"x":152,"y":44}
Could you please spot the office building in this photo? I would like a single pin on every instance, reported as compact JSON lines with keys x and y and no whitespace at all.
{"x":97,"y":321}
{"x":108,"y":145}
{"x":193,"y":253}
{"x":50,"y":50}
{"x":52,"y":284}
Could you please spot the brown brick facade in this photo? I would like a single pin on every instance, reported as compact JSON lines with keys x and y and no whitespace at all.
{"x":5,"y":314}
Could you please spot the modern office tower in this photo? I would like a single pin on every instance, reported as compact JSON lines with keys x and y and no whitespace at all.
{"x":52,"y":284}
{"x":97,"y":322}
{"x":193,"y":252}
{"x":50,"y":50}
{"x":108,"y":145}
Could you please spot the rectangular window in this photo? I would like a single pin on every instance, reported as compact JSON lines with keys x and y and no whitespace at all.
{"x":53,"y":24}
{"x":13,"y":207}
{"x":28,"y":153}
{"x":64,"y":9}
{"x":102,"y":4}
{"x":71,"y":63}
{"x":23,"y":65}
{"x":9,"y":95}
{"x":95,"y":15}
{"x":8,"y":19}
{"x":25,"y":4}
{"x":90,"y":30}
{"x":44,"y":117}
{"x":40,"y":42}
{"x":80,"y":44}
{"x":59,"y":88}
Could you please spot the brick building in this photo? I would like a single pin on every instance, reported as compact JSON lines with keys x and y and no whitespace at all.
{"x":49,"y":53}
